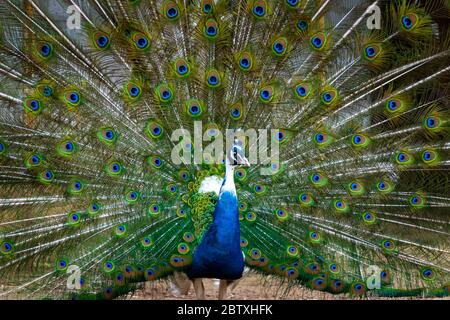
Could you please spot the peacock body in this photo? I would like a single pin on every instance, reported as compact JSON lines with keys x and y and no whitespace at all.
{"x":218,"y":255}
{"x":99,"y":190}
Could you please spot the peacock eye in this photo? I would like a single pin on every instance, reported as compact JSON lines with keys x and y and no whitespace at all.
{"x":211,"y":31}
{"x":317,"y":42}
{"x":259,"y":11}
{"x":409,"y":21}
{"x":392,"y":105}
{"x":293,"y":3}
{"x":301,"y":91}
{"x":279,"y":46}
{"x":102,"y":41}
{"x":45,"y":50}
{"x":245,"y":63}
{"x":74,"y":97}
{"x":302,"y":25}
{"x":212,"y":80}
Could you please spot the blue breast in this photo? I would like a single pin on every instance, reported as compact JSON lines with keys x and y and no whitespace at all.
{"x":219,"y":253}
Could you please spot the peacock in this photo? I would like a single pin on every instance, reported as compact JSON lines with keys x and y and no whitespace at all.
{"x":306,"y":140}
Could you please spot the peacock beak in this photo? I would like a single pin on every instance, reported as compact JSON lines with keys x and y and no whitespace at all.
{"x":241,"y":160}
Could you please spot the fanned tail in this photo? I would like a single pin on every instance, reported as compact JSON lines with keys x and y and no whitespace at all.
{"x":90,"y":119}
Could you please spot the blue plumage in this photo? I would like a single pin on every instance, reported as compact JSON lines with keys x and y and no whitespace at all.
{"x":219,"y":254}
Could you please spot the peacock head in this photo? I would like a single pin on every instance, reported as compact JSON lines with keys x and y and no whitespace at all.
{"x":236,"y":155}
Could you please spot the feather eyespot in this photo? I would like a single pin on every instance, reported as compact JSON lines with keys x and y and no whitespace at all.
{"x":101,"y":40}
{"x":388,"y":246}
{"x":188,"y":237}
{"x":164,"y":93}
{"x":409,"y":21}
{"x":44,"y":50}
{"x":73,"y":219}
{"x":280,"y":46}
{"x":323,"y":139}
{"x":72,"y":98}
{"x":404,"y":158}
{"x":207,"y":6}
{"x":302,"y":90}
{"x":340,"y":205}
{"x":245,"y":61}
{"x":133,"y":91}
{"x":171,"y":189}
{"x":430,"y":157}
{"x":109,"y":266}
{"x":194,"y":108}
{"x":315,"y":237}
{"x":114,"y":168}
{"x":2,"y":148}
{"x":260,"y":189}
{"x":236,"y":111}
{"x":250,"y":217}
{"x":154,"y":210}
{"x":120,"y":231}
{"x":153,"y":129}
{"x":417,"y":201}
{"x":266,"y":94}
{"x":171,"y":10}
{"x":360,"y":141}
{"x":182,"y":68}
{"x":358,"y":289}
{"x":428,"y":274}
{"x":318,"y":41}
{"x":259,"y":8}
{"x":46,"y":177}
{"x":293,"y":3}
{"x":329,"y":96}
{"x":93,"y":209}
{"x":282,"y":214}
{"x":107,"y":135}
{"x":337,"y":285}
{"x":6,"y":248}
{"x":183,"y":248}
{"x":32,"y":106}
{"x":372,"y":51}
{"x":334,"y":268}
{"x":76,"y":186}
{"x":318,"y":179}
{"x":292,"y":251}
{"x":61,"y":264}
{"x":131,"y":196}
{"x":433,"y":123}
{"x":66,"y":148}
{"x":319,"y":284}
{"x":213,"y":78}
{"x":302,"y":26}
{"x":306,"y":199}
{"x":211,"y":29}
{"x":369,"y":217}
{"x":140,"y":40}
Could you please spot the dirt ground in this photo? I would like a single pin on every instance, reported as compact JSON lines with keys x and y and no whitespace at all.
{"x":251,"y":287}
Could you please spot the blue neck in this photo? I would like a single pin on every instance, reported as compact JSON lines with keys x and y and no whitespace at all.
{"x":226,"y":215}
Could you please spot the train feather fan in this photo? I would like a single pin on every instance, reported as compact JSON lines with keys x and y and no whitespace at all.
{"x":116,"y":162}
